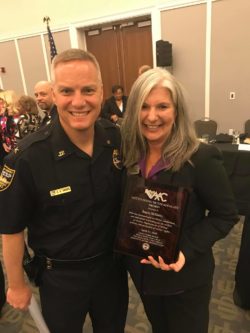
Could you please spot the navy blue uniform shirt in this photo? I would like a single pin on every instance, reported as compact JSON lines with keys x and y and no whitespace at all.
{"x":69,"y":201}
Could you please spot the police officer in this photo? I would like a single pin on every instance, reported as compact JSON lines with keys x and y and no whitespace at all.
{"x":62,"y":183}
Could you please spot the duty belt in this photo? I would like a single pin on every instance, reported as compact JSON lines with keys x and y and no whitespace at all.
{"x":50,"y":263}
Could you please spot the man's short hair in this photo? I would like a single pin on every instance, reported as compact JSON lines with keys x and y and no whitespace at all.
{"x":74,"y":54}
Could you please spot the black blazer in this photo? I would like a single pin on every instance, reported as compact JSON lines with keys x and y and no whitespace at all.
{"x":110,"y":108}
{"x":210,"y":215}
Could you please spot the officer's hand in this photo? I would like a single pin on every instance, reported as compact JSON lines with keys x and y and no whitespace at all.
{"x":177,"y":266}
{"x":19,"y":298}
{"x":6,"y":148}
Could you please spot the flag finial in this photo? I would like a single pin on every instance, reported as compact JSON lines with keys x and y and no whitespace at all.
{"x":46,"y":19}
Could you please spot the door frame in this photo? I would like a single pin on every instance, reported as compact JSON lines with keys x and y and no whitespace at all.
{"x":78,"y":31}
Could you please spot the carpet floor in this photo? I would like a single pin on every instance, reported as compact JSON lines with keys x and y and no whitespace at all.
{"x":225,"y":317}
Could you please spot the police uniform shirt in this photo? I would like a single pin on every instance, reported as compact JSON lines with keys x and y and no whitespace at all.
{"x":69,"y":201}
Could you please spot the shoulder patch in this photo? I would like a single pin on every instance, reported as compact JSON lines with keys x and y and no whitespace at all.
{"x":6,"y":177}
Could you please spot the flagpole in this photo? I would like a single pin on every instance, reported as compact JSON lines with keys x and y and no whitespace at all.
{"x":52,"y":45}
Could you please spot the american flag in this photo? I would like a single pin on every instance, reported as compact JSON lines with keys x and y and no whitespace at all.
{"x":52,"y":45}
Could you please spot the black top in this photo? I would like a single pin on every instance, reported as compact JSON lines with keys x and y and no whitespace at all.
{"x":110,"y":108}
{"x":27,"y":123}
{"x":210,"y":214}
{"x":237,"y":164}
{"x":68,"y":200}
{"x":53,"y":112}
{"x":49,"y":116}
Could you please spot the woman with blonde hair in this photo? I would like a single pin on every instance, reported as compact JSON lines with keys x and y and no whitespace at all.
{"x":8,"y":124}
{"x":160,"y":150}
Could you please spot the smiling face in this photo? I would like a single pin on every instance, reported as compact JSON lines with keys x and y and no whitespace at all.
{"x":118,"y":94}
{"x":78,"y":95}
{"x":157,"y":116}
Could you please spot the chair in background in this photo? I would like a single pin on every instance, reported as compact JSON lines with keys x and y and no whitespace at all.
{"x":206,"y":126}
{"x":247,"y":128}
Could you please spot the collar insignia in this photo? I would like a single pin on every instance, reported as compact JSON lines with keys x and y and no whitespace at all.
{"x":61,"y":153}
{"x":6,"y":177}
{"x":60,"y":191}
{"x":117,"y":159}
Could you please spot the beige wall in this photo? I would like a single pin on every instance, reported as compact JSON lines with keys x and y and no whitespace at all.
{"x":183,"y":26}
{"x":230,"y":63}
{"x":61,"y":12}
{"x":31,"y":60}
{"x":8,"y":58}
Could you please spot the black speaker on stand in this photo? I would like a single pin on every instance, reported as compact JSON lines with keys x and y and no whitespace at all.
{"x":163,"y":53}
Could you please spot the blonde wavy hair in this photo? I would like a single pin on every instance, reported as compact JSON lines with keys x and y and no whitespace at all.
{"x":9,"y":97}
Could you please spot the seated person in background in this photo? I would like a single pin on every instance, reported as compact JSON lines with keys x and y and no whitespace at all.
{"x":115,"y":106}
{"x":143,"y":69}
{"x":29,"y":120}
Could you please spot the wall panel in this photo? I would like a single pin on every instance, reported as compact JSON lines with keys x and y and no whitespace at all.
{"x":32,"y":61}
{"x":8,"y":59}
{"x":185,"y":28}
{"x":230,"y":70}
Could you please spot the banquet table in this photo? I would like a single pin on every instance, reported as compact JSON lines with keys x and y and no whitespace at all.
{"x":237,"y":165}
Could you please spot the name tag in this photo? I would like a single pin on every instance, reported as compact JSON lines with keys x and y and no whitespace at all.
{"x":60,"y":191}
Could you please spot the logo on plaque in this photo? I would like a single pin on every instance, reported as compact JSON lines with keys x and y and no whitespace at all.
{"x":159,"y":196}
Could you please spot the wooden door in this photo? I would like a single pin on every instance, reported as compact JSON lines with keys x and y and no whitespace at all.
{"x":104,"y":46}
{"x":136,"y":45}
{"x":120,"y":51}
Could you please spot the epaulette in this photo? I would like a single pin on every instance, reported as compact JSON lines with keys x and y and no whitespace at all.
{"x":106,"y":123}
{"x":29,"y":140}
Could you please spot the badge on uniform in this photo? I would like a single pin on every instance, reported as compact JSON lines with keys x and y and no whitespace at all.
{"x":6,"y":177}
{"x":117,"y":159}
